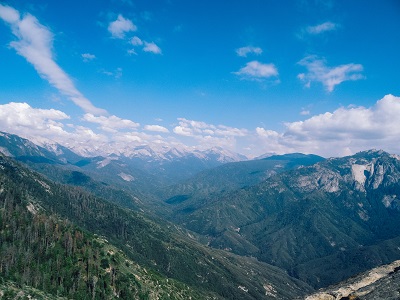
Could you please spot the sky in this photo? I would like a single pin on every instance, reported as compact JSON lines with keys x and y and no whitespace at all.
{"x":253,"y":77}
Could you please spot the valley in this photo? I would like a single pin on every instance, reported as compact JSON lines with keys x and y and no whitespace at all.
{"x":279,"y":227}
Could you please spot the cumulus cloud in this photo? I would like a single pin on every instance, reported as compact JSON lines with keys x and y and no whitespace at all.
{"x":328,"y":76}
{"x":34,"y":43}
{"x":356,"y":123}
{"x":88,"y":57}
{"x":321,"y":28}
{"x":32,"y":123}
{"x":156,"y":128}
{"x":146,"y":46}
{"x":136,"y":41}
{"x":110,"y":123}
{"x":244,"y":51}
{"x":120,"y":27}
{"x":344,"y":131}
{"x":255,"y":70}
{"x":42,"y":126}
{"x":151,"y":47}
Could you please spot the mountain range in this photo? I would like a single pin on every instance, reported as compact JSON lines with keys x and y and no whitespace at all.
{"x":308,"y":217}
{"x":211,"y":223}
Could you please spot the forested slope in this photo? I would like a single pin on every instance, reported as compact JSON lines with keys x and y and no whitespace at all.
{"x":54,"y":238}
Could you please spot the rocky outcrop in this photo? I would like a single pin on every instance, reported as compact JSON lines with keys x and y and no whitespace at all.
{"x":379,"y":283}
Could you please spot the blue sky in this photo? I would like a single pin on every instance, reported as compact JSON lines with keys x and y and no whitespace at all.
{"x":249,"y":76}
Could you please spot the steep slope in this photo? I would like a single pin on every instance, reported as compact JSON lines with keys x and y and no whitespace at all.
{"x":23,"y":149}
{"x":152,"y":247}
{"x":39,"y":250}
{"x":299,"y":218}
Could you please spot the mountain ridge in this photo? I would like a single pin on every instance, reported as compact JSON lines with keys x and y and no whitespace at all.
{"x":321,"y":220}
{"x":267,"y":220}
{"x":169,"y":164}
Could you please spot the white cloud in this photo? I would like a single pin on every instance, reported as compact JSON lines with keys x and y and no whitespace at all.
{"x":206,"y":136}
{"x":156,"y":128}
{"x":28,"y":122}
{"x":151,"y":47}
{"x":9,"y":14}
{"x":244,"y":51}
{"x":181,"y":130}
{"x":23,"y":115}
{"x":255,"y":70}
{"x":344,"y":131}
{"x":321,"y":28}
{"x":34,"y":44}
{"x":114,"y":135}
{"x":201,"y":129}
{"x":88,"y":57}
{"x":266,"y":133}
{"x":120,"y":27}
{"x":111,"y":123}
{"x":328,"y":76}
{"x":135,"y":41}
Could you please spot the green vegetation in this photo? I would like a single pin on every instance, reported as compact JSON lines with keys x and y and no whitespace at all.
{"x":51,"y":254}
{"x":45,"y":249}
{"x":317,"y":222}
{"x":240,"y":231}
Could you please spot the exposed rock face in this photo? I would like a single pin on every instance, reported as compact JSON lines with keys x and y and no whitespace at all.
{"x":378,"y":283}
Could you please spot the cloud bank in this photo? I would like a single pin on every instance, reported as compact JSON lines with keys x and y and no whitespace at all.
{"x":344,"y":131}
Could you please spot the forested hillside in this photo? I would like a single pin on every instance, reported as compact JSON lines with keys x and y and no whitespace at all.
{"x":323,"y":223}
{"x":44,"y":248}
{"x":44,"y":251}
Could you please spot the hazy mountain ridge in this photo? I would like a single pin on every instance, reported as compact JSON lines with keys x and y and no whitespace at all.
{"x":169,"y":165}
{"x":142,"y":174}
